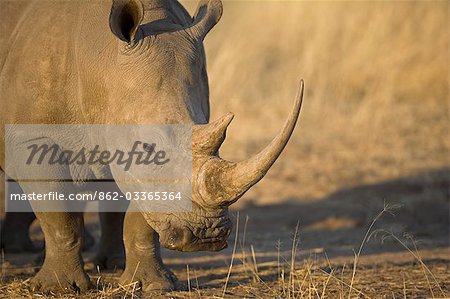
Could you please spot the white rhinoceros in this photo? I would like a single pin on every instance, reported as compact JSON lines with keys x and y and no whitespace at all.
{"x":125,"y":62}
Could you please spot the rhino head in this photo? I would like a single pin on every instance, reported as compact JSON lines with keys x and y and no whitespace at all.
{"x":178,"y":58}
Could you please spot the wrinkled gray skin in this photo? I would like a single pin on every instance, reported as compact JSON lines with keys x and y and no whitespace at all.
{"x":124,"y":62}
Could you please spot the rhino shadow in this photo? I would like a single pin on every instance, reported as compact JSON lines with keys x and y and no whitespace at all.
{"x":336,"y":224}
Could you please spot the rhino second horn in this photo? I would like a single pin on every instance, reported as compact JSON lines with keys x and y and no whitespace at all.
{"x":207,"y":138}
{"x":241,"y":176}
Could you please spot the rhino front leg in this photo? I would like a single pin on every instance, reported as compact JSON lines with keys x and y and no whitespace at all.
{"x":62,"y":270}
{"x":143,"y":257}
{"x":111,"y":253}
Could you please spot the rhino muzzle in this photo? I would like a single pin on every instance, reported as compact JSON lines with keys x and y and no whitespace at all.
{"x":199,"y":230}
{"x":201,"y":239}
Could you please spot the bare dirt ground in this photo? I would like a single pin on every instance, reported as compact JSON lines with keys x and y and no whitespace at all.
{"x":374,"y":133}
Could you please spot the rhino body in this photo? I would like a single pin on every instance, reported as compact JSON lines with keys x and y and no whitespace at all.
{"x":124,"y":62}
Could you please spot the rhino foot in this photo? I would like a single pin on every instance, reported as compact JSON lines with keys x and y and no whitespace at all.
{"x":144,"y":265}
{"x":111,"y":251}
{"x":110,"y":261}
{"x":148,"y":278}
{"x":62,"y":271}
{"x":88,"y":240}
{"x":59,"y":280}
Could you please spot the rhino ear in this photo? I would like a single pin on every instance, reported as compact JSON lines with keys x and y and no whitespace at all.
{"x":208,"y":14}
{"x":125,"y":18}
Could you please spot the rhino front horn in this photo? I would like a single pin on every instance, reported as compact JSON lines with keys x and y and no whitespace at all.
{"x":224,"y":182}
{"x":247,"y":173}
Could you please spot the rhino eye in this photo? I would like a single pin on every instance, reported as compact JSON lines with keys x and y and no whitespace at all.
{"x":148,"y":147}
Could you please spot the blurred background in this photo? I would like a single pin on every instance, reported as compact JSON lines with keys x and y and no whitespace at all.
{"x":376,"y":102}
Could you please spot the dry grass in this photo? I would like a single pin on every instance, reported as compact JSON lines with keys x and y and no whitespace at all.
{"x":375,"y":111}
{"x":285,"y":278}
